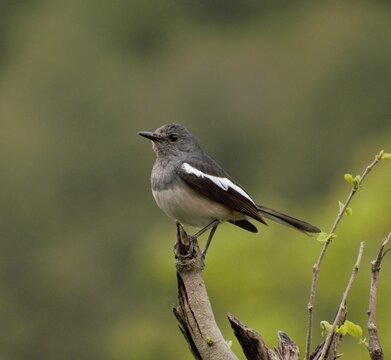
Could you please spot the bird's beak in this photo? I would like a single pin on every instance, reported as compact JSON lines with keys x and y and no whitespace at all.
{"x":149,"y":135}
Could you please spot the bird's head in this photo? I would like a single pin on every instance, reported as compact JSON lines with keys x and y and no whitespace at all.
{"x":171,"y":139}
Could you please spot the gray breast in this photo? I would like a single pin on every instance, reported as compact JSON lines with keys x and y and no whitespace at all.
{"x":163,"y":176}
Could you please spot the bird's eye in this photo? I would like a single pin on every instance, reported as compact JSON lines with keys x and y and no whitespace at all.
{"x":173,"y":137}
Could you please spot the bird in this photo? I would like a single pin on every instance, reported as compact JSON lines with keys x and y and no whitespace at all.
{"x":194,"y":190}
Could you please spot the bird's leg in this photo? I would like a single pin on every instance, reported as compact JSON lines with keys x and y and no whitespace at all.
{"x":178,"y":235}
{"x":204,"y":230}
{"x":212,"y":232}
{"x":193,"y":238}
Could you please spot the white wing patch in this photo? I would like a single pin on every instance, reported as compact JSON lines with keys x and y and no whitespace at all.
{"x":222,"y":183}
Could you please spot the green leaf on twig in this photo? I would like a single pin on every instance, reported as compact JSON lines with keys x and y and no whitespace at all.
{"x":379,"y":155}
{"x":349,"y":327}
{"x":356,"y":180}
{"x":349,"y":179}
{"x":323,"y":237}
{"x":363,"y":342}
{"x":341,"y":330}
{"x":325,"y":327}
{"x":348,"y":211}
{"x":353,"y":181}
{"x":382,"y":155}
{"x":353,"y":329}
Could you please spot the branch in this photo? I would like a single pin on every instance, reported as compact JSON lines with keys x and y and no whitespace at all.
{"x":374,"y":348}
{"x":194,"y":313}
{"x":287,"y":349}
{"x":253,"y":346}
{"x":196,"y":320}
{"x":342,"y":305}
{"x":316,"y":267}
{"x":332,"y":353}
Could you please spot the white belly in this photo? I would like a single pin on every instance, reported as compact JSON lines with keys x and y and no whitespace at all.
{"x":191,"y":208}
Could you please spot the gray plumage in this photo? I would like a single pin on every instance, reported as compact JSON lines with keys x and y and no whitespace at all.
{"x":189,"y":186}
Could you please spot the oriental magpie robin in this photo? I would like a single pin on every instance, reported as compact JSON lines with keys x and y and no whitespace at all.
{"x":192,"y":188}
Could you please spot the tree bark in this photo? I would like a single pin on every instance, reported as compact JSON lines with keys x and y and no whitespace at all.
{"x":194,"y":313}
{"x":253,"y":346}
{"x":374,"y":348}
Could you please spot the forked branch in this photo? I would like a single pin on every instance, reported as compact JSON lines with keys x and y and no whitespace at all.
{"x":196,"y":320}
{"x":342,"y":305}
{"x":316,"y":267}
{"x":374,"y":348}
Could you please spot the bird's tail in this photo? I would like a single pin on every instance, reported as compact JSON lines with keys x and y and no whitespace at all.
{"x":287,"y":220}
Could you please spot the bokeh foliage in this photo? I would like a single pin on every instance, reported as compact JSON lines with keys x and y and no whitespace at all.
{"x":287,"y":96}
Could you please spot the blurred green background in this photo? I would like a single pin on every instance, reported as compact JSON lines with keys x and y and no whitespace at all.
{"x":287,"y":96}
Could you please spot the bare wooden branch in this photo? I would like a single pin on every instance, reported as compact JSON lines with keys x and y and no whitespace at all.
{"x":253,"y":346}
{"x":316,"y":267}
{"x":196,"y":320}
{"x":194,"y":313}
{"x":342,"y":305}
{"x":287,"y":349}
{"x":374,"y":348}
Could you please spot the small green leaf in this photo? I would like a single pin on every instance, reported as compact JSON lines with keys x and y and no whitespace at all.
{"x":356,"y":180}
{"x":323,"y":237}
{"x":353,"y":329}
{"x":363,"y":342}
{"x":386,"y":156}
{"x":353,"y":181}
{"x":325,"y":327}
{"x":349,"y":179}
{"x":348,"y":211}
{"x":342,"y":330}
{"x":380,"y":155}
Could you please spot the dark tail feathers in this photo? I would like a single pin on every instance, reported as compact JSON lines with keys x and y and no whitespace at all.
{"x":287,"y":220}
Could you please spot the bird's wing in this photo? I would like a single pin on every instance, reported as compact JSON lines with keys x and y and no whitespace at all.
{"x":212,"y":181}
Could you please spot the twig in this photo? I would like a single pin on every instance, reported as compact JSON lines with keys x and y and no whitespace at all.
{"x":342,"y":304}
{"x":194,"y":313}
{"x":374,"y":348}
{"x":335,"y":341}
{"x":316,"y":267}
